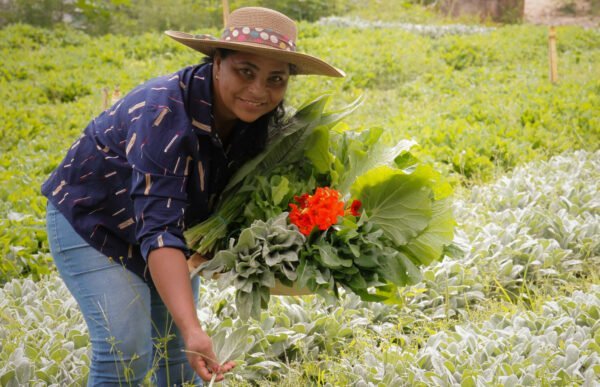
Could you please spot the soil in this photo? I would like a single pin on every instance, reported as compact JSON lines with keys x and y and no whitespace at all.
{"x":561,"y":12}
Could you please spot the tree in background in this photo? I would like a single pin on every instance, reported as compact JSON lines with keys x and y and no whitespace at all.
{"x":98,"y":17}
{"x":43,"y":13}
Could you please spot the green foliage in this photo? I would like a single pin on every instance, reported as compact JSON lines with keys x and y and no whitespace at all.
{"x":453,"y":327}
{"x":44,"y":338}
{"x":543,"y":219}
{"x":270,"y":195}
{"x":136,"y":17}
{"x":479,"y":119}
{"x":44,"y":13}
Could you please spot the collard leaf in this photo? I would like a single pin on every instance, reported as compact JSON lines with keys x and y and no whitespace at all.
{"x":317,"y":149}
{"x":399,"y":269}
{"x":429,"y":245}
{"x":331,"y":117}
{"x":399,"y":203}
{"x":441,"y":188}
{"x":364,"y":151}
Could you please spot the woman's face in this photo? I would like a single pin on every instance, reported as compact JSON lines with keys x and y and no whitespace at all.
{"x":248,"y":86}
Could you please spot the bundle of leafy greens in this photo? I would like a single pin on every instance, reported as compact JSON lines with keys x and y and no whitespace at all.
{"x":377,"y":213}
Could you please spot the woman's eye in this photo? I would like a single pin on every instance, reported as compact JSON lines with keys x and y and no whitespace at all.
{"x":247,"y":73}
{"x":277,"y":80}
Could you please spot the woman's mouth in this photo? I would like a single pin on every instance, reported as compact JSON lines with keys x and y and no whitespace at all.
{"x":251,"y":102}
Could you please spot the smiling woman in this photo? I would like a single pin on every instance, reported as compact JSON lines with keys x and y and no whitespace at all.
{"x":146,"y":170}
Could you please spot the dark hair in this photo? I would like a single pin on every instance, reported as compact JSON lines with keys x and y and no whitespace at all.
{"x":277,"y":115}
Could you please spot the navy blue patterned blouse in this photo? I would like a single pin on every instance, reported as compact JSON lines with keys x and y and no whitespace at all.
{"x":149,"y":167}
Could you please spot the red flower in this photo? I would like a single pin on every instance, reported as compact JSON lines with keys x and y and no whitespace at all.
{"x":302,"y":200}
{"x":320,"y":210}
{"x":355,"y":208}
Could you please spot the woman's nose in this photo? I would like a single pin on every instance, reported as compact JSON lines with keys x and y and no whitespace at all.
{"x":258,"y":87}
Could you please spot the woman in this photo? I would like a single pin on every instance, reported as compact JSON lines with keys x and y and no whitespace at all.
{"x":148,"y":168}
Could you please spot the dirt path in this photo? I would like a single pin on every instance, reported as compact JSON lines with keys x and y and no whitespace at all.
{"x":549,"y":12}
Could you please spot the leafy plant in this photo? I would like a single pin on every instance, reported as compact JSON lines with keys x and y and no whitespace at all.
{"x":265,"y":252}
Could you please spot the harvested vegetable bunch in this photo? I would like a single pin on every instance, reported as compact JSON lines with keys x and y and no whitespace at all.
{"x":375,"y":216}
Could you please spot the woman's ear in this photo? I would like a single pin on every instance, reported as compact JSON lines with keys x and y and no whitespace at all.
{"x":217,"y":60}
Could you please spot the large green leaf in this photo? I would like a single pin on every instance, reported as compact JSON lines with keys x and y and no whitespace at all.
{"x":364,"y":151}
{"x":399,"y":269}
{"x":429,"y":245}
{"x":397,"y":202}
{"x":317,"y":149}
{"x":333,"y":116}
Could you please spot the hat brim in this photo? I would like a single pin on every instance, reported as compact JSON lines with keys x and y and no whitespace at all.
{"x":305,"y":64}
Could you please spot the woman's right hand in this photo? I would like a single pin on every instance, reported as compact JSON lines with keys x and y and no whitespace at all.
{"x":170,"y":274}
{"x":195,"y":260}
{"x":202,"y":358}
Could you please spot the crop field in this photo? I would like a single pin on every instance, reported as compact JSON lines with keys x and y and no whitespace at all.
{"x":520,"y":303}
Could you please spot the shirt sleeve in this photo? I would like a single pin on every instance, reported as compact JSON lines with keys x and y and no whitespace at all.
{"x":160,"y":147}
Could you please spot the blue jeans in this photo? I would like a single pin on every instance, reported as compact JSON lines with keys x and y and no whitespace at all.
{"x":130,"y":329}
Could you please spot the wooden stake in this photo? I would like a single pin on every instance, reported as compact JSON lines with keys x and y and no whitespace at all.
{"x":105,"y":99}
{"x":553,"y":56}
{"x":225,"y":12}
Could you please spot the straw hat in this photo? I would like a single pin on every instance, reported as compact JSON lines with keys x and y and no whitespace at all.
{"x":259,"y":31}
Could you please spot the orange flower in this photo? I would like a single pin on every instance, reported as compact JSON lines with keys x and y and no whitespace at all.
{"x":320,"y":210}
